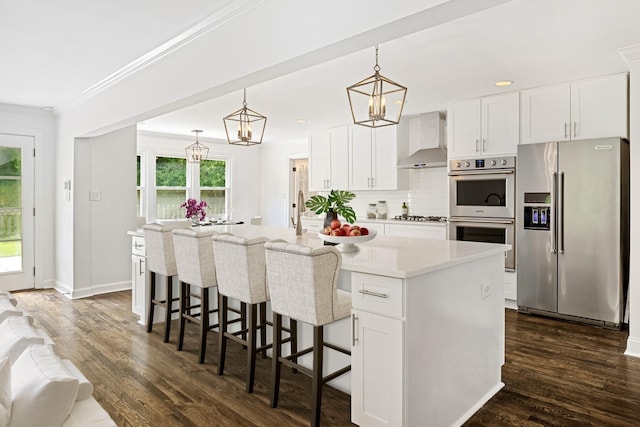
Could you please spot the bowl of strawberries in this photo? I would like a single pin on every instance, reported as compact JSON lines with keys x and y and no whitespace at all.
{"x":345,"y":236}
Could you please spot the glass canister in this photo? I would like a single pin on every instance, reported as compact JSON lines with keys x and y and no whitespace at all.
{"x":371,"y":211}
{"x":381,"y":211}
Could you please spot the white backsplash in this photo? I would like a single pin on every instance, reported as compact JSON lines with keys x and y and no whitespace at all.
{"x":428,"y":194}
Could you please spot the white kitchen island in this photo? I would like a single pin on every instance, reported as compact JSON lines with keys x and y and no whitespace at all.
{"x":426,"y":331}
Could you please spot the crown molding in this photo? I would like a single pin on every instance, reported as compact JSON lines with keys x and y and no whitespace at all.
{"x":223,"y":15}
{"x":630,"y":53}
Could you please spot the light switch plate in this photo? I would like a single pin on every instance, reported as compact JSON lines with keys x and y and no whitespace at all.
{"x":94,"y":196}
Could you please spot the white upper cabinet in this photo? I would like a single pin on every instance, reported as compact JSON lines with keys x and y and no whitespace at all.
{"x":593,"y":108}
{"x":373,"y":155}
{"x":487,"y":126}
{"x":599,"y":108}
{"x":545,"y":114}
{"x":328,"y":160}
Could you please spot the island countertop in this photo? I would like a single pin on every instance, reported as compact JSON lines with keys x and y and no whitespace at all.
{"x":400,"y":257}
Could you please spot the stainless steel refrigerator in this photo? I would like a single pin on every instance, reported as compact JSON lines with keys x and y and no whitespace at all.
{"x":572,"y":217}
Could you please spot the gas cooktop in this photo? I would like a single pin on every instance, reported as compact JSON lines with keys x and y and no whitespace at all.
{"x":419,"y":218}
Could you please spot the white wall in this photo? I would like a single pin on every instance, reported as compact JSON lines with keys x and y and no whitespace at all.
{"x":105,"y":168}
{"x":243,"y":163}
{"x":632,"y":55}
{"x":39,"y":124}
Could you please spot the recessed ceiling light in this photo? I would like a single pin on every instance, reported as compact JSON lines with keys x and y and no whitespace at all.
{"x":504,"y":83}
{"x":47,"y":108}
{"x":399,"y":101}
{"x":301,"y":121}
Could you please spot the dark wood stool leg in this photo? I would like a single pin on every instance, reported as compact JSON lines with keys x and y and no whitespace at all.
{"x":184,"y":295}
{"x":204,"y":322}
{"x":243,"y":322}
{"x":222,"y":330}
{"x":168,"y":307}
{"x":263,"y":328}
{"x":293,"y":327}
{"x":316,"y":381}
{"x":251,"y":341}
{"x":276,"y":351}
{"x":152,"y":296}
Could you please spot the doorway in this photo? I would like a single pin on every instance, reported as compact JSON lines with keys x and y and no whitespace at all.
{"x":298,"y":181}
{"x":16,"y":212}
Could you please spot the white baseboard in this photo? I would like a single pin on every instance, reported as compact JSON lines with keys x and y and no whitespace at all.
{"x":633,"y":347}
{"x":479,"y":404}
{"x":94,"y":290}
{"x":510,"y":304}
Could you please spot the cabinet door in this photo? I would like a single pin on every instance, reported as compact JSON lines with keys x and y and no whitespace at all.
{"x":545,"y":114}
{"x":436,"y":232}
{"x":500,"y":124}
{"x":376,"y":370}
{"x":339,"y":164}
{"x":463,"y":127}
{"x":138,"y":289}
{"x":599,"y":108}
{"x":360,"y":156}
{"x":319,"y":161}
{"x":385,"y":159}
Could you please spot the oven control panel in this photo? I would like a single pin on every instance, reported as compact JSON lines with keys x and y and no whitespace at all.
{"x":483,"y":164}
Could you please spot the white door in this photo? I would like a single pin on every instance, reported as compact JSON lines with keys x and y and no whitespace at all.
{"x":464,"y":129}
{"x":319,"y":161}
{"x":360,"y":157}
{"x":500,"y":124}
{"x":545,"y":114}
{"x":16,"y":212}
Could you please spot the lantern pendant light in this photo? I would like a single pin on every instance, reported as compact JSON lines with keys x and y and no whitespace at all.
{"x":249,"y":124}
{"x":376,"y":101}
{"x":196,"y":151}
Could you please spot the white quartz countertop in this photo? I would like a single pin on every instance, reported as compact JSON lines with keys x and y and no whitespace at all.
{"x":401,"y":257}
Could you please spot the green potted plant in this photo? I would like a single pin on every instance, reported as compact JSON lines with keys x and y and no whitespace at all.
{"x":333,"y":205}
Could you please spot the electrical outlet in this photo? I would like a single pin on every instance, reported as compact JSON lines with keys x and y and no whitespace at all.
{"x":485,"y":289}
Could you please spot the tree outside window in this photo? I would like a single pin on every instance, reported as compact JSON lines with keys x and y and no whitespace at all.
{"x":171,"y":186}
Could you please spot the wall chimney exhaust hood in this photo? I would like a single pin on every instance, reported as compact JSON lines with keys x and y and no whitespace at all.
{"x":426,"y":137}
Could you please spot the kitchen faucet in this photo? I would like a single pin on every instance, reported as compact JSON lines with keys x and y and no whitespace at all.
{"x":301,"y":209}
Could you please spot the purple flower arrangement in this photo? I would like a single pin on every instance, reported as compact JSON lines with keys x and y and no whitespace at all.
{"x":195,"y":208}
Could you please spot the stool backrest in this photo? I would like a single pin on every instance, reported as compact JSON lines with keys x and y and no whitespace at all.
{"x":194,"y":257}
{"x":158,"y":242}
{"x":240,"y":266}
{"x":303,"y":282}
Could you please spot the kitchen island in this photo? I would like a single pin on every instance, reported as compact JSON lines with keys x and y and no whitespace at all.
{"x":426,"y":331}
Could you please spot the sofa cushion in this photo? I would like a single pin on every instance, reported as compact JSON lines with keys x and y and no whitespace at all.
{"x":43,"y":390}
{"x":16,"y":334}
{"x":85,"y":388}
{"x":7,"y":295}
{"x":88,"y":413}
{"x":7,"y":309}
{"x":5,"y":391}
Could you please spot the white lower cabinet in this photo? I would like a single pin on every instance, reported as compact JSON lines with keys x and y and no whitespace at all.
{"x":423,"y":231}
{"x":138,"y":277}
{"x":377,"y":363}
{"x":376,"y":382}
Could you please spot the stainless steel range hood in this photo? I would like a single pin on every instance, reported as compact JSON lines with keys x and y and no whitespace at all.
{"x":426,"y":135}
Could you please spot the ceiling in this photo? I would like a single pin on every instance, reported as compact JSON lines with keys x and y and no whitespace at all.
{"x":61,"y":50}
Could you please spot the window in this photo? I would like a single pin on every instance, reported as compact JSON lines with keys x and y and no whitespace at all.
{"x":171,"y":186}
{"x":213,"y":187}
{"x":176,"y":180}
{"x":139,"y":187}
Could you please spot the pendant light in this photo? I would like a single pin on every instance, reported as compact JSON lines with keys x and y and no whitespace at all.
{"x":196,"y":151}
{"x":249,"y":124}
{"x":376,"y":101}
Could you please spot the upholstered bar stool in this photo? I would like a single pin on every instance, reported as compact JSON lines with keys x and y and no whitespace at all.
{"x":303,"y":284}
{"x":240,"y":266}
{"x":161,"y":260}
{"x":197,"y":275}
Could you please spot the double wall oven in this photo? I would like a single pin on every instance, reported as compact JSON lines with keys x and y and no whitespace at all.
{"x":482,"y":202}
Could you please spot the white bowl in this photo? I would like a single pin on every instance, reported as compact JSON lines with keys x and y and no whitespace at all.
{"x":347,"y":243}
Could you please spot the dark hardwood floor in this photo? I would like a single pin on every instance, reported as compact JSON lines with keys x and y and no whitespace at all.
{"x":556,"y":373}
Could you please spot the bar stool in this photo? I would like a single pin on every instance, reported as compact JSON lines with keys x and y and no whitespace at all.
{"x":303,"y":283}
{"x":240,"y":266}
{"x":161,"y":260}
{"x":196,"y":269}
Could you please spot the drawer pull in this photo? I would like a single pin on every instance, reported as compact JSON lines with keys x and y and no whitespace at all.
{"x":373,"y":294}
{"x":138,"y":245}
{"x":354,"y":339}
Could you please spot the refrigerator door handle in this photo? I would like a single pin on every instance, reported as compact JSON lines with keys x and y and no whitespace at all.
{"x":561,"y":213}
{"x":554,"y":212}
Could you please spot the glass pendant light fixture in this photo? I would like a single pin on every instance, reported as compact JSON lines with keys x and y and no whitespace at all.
{"x":376,"y":101}
{"x":249,"y":124}
{"x":196,"y":151}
